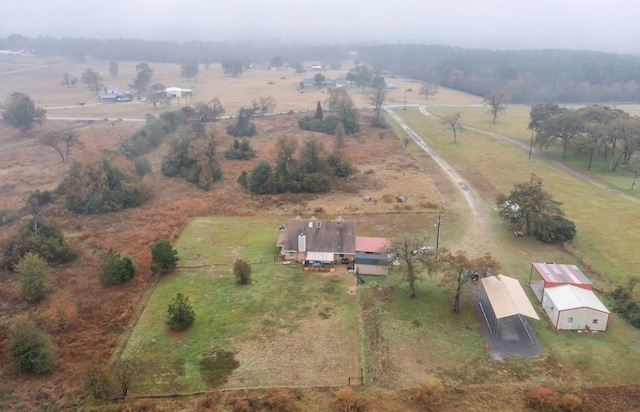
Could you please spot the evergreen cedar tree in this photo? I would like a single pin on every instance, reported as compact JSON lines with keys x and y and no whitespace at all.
{"x":163,"y":257}
{"x":180,"y":313}
{"x":116,"y":269}
{"x":21,"y":112}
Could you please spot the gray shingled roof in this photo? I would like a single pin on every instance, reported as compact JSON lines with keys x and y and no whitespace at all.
{"x":335,"y":236}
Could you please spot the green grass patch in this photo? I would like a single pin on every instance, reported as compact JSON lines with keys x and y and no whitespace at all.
{"x":226,"y":313}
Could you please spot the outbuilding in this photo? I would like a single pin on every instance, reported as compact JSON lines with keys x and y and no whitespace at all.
{"x":372,"y":255}
{"x":503,"y":302}
{"x":570,"y":307}
{"x":554,"y":274}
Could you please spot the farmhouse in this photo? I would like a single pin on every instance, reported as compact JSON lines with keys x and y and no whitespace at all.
{"x":570,"y":307}
{"x":372,"y":256}
{"x":114,"y":94}
{"x":178,"y":92}
{"x":317,"y":243}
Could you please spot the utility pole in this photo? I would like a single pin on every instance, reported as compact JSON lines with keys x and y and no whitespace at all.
{"x":438,"y":236}
{"x":405,"y":99}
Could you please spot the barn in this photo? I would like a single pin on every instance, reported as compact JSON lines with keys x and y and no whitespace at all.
{"x":570,"y":307}
{"x":553,"y":274}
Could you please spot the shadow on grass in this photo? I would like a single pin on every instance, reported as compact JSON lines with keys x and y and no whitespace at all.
{"x":216,"y":368}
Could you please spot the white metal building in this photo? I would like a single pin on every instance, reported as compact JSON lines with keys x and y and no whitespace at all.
{"x":569,"y":307}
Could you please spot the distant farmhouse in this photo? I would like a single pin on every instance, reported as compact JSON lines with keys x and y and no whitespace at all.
{"x":113,"y":94}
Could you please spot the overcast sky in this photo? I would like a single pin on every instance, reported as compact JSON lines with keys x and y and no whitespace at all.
{"x":611,"y":25}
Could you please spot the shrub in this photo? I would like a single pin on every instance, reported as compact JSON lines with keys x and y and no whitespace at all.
{"x":542,"y":399}
{"x":143,"y":166}
{"x":116,"y":269}
{"x":49,"y":243}
{"x":163,"y":257}
{"x":99,"y":381}
{"x":346,"y":400}
{"x":104,"y":186}
{"x":30,"y":348}
{"x":240,"y":150}
{"x":242,"y":270}
{"x":278,"y":399}
{"x":430,"y":393}
{"x":570,"y":402}
{"x":180,"y":313}
{"x":557,"y":230}
{"x":34,"y":273}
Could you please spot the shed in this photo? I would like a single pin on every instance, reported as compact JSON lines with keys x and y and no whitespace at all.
{"x":501,"y":298}
{"x":553,"y":274}
{"x":570,"y":307}
{"x":371,"y":264}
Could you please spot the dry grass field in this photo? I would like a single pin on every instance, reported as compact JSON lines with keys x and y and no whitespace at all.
{"x":101,"y":316}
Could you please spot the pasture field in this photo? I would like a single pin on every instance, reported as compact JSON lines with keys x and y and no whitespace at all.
{"x":493,"y":166}
{"x":292,"y":328}
{"x":513,"y":123}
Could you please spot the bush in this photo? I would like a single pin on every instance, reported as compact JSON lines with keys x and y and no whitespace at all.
{"x":116,"y":269}
{"x":143,"y":166}
{"x":542,"y":399}
{"x":30,"y":348}
{"x":557,"y":230}
{"x":243,"y":129}
{"x":163,"y":257}
{"x":180,"y":313}
{"x":278,"y":399}
{"x":346,"y":400}
{"x":240,"y":150}
{"x":242,"y":270}
{"x":34,"y":273}
{"x":49,"y":243}
{"x":570,"y":402}
{"x":108,"y":185}
{"x":430,"y":393}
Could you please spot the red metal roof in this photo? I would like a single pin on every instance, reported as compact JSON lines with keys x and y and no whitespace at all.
{"x":372,"y":244}
{"x":553,"y":273}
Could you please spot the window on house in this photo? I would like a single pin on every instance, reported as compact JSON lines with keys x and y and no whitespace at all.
{"x":341,"y":255}
{"x":595,"y":321}
{"x":570,"y":320}
{"x":291,"y":255}
{"x":318,"y":225}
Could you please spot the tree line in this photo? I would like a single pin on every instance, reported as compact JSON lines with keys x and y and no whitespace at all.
{"x":78,"y":49}
{"x":526,"y":75}
{"x":592,"y":131}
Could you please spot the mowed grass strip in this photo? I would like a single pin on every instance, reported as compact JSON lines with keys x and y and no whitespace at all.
{"x":232,"y":320}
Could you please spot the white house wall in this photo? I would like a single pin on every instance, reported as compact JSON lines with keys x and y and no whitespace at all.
{"x":550,"y":309}
{"x":582,"y":318}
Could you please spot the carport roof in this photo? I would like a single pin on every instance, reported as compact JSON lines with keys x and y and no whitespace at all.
{"x":507,"y":297}
{"x":560,"y":273}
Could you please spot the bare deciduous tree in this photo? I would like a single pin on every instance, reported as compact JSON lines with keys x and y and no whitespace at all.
{"x":497,"y":100}
{"x":414,"y":258}
{"x":453,"y":123}
{"x":62,"y":142}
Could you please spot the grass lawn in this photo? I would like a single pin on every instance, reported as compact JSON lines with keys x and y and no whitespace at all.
{"x":242,"y":333}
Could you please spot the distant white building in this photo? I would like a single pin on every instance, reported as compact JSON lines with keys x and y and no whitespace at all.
{"x":178,"y":92}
